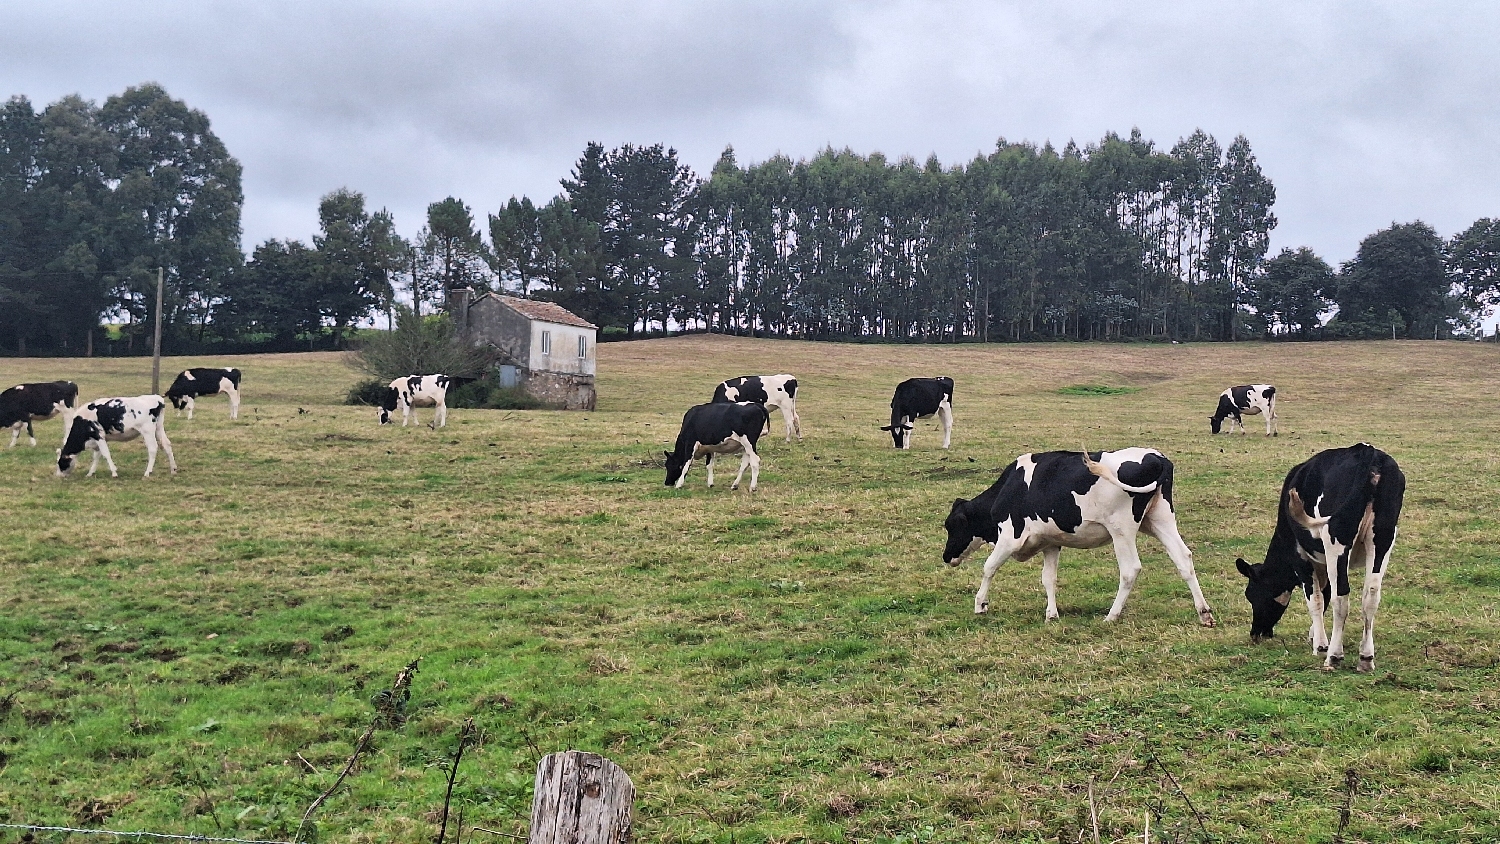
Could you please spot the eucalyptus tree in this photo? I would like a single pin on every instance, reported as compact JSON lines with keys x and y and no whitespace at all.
{"x":1473,"y":260}
{"x":519,"y":250}
{"x":358,"y":255}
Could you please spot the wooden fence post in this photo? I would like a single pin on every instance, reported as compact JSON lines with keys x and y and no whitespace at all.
{"x":581,"y":798}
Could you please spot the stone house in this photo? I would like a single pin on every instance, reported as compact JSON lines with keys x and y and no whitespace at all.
{"x":543,"y":347}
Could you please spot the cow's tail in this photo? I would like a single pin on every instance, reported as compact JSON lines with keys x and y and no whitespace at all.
{"x":1300,"y":515}
{"x":1104,"y":471}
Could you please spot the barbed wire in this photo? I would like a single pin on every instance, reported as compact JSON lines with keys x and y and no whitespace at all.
{"x":167,"y":835}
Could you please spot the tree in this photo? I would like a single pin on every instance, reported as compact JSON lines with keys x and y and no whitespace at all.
{"x":357,"y":253}
{"x":1293,"y":289}
{"x":1473,"y":261}
{"x":276,"y":296}
{"x":176,"y":204}
{"x":519,"y":245}
{"x":453,"y":254}
{"x":1397,"y":270}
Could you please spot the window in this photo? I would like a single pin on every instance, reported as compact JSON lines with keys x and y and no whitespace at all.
{"x":583,"y":347}
{"x":546,"y":342}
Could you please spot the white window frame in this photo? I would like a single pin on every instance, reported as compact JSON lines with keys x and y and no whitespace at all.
{"x":583,"y":347}
{"x":547,"y":343}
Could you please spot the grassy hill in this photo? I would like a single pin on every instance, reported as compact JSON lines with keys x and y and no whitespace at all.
{"x":796,"y":665}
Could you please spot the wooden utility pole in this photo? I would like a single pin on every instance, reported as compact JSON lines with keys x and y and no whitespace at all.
{"x":156,"y":343}
{"x":581,"y":798}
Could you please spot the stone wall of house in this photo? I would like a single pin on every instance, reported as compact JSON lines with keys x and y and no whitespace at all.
{"x":571,"y":392}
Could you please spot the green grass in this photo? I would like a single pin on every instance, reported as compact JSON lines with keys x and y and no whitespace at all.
{"x":1097,"y":390}
{"x":795,"y":665}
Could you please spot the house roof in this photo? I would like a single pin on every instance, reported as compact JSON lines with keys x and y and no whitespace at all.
{"x":545,"y":311}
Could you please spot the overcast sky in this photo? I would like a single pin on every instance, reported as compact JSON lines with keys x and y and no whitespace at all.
{"x":1361,"y":113}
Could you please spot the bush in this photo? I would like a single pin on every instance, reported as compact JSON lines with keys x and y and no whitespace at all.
{"x":420,"y":346}
{"x":486,"y":394}
{"x":366,"y":392}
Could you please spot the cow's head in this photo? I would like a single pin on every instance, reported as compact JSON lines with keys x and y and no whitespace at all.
{"x":962,"y":538}
{"x":388,"y":403}
{"x":1214,"y":422}
{"x":899,"y":433}
{"x":1268,"y":599}
{"x":177,"y":401}
{"x":80,"y":436}
{"x":676,"y":468}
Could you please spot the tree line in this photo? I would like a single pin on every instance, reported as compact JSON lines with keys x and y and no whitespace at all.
{"x":1118,"y":239}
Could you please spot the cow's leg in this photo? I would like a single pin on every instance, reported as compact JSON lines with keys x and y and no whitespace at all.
{"x":30,"y":433}
{"x":150,"y":439}
{"x":15,"y":434}
{"x":1338,"y":576}
{"x":1317,"y":603}
{"x":1049,"y":579}
{"x":1375,"y":568}
{"x":1130,"y":569}
{"x":945,"y":415}
{"x":1270,"y":413}
{"x":748,"y":458}
{"x":1162,"y":524}
{"x":441,"y":414}
{"x":710,"y":462}
{"x":789,"y":419}
{"x":234,"y":403}
{"x":166,"y":444}
{"x":109,"y":460}
{"x":998,"y":555}
{"x":190,"y":404}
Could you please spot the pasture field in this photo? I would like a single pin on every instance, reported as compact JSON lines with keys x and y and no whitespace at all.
{"x":796,"y":665}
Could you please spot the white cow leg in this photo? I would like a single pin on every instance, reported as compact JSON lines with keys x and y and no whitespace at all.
{"x":166,"y":444}
{"x":234,"y":403}
{"x":1049,"y":579}
{"x":15,"y":434}
{"x":190,"y":405}
{"x":1333,"y":554}
{"x":31,"y":435}
{"x":1130,"y":569}
{"x":945,"y":415}
{"x":442,"y":414}
{"x":998,"y":555}
{"x":108,"y":459}
{"x":711,"y":457}
{"x":1162,"y":524}
{"x":751,"y":459}
{"x":1371,"y":606}
{"x":150,"y":441}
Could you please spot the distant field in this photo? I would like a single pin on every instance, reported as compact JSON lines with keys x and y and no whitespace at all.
{"x":793,"y":666}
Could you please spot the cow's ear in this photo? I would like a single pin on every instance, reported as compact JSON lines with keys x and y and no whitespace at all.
{"x":1244,"y":567}
{"x":959,"y":502}
{"x":667,"y":453}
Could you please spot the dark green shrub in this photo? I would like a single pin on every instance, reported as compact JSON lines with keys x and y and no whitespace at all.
{"x":366,"y":392}
{"x":486,"y":394}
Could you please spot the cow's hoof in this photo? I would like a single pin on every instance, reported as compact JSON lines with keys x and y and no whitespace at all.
{"x":980,"y":609}
{"x":1322,"y":650}
{"x":1206,"y":618}
{"x":1052,"y":616}
{"x":1111,"y":618}
{"x":733,"y":487}
{"x":1332,"y":662}
{"x":1366,"y":664}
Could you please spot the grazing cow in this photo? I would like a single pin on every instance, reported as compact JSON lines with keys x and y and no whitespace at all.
{"x":714,"y":429}
{"x":778,"y":391}
{"x":202,"y":381}
{"x":918,"y":398}
{"x":416,"y":391}
{"x":1066,"y":499}
{"x":1338,"y":508}
{"x":26,"y":403}
{"x":1247,"y":400}
{"x":102,"y":421}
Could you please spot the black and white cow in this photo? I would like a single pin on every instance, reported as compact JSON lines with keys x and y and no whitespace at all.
{"x":26,"y":403}
{"x":103,"y":421}
{"x":416,"y":391}
{"x":918,"y":398}
{"x":1247,"y":400}
{"x":1067,"y":499}
{"x":203,"y":381}
{"x":718,"y":428}
{"x":778,"y":391}
{"x":1337,"y":509}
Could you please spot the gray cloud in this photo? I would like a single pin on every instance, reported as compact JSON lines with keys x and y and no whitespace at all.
{"x":1362,"y":113}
